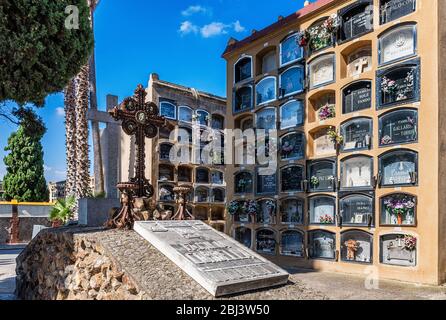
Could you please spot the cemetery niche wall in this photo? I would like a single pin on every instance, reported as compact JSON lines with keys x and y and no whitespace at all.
{"x":322,"y":175}
{"x":356,"y":209}
{"x":391,"y":10}
{"x":322,"y":245}
{"x":356,"y":97}
{"x":397,"y":43}
{"x":356,"y":20}
{"x":398,"y":127}
{"x":292,"y":211}
{"x":357,"y":246}
{"x":398,"y":168}
{"x":357,"y":134}
{"x":292,"y":179}
{"x":292,"y":243}
{"x":399,"y":250}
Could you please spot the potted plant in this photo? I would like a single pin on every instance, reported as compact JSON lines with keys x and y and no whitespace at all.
{"x":62,"y":211}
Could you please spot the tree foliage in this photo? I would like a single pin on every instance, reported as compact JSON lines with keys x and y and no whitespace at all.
{"x":63,"y":210}
{"x":24,"y":180}
{"x":38,"y":54}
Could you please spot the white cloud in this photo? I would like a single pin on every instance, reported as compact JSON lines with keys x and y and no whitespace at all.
{"x":46,"y":168}
{"x":188,"y":27}
{"x":214,"y":29}
{"x":60,"y":112}
{"x":193,"y":10}
{"x":238,"y":27}
{"x":60,"y":173}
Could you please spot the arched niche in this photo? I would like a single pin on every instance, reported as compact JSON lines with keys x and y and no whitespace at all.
{"x":202,"y":195}
{"x":322,"y":210}
{"x":357,"y":173}
{"x":218,"y":122}
{"x":357,"y":96}
{"x":165,"y":192}
{"x":218,"y":195}
{"x":290,"y":51}
{"x":202,"y":175}
{"x":165,"y":149}
{"x":266,"y":60}
{"x":357,"y":134}
{"x":243,"y":99}
{"x":185,"y":114}
{"x":266,"y":241}
{"x":357,"y":209}
{"x":399,"y":249}
{"x":166,"y":172}
{"x":398,"y":209}
{"x":244,"y":236}
{"x":243,"y":69}
{"x":398,"y":127}
{"x":184,"y":173}
{"x":322,"y":245}
{"x":168,"y":110}
{"x":397,"y":43}
{"x":322,"y":70}
{"x":291,"y":178}
{"x":322,"y":106}
{"x":266,"y":119}
{"x":391,"y":10}
{"x":266,"y":211}
{"x":357,"y":246}
{"x":292,"y":81}
{"x":356,"y":20}
{"x":243,"y":182}
{"x":292,"y":146}
{"x":292,"y":114}
{"x":398,"y":168}
{"x":266,"y":90}
{"x":292,"y":211}
{"x":292,"y":243}
{"x":322,"y":175}
{"x":356,"y":59}
{"x":320,"y":144}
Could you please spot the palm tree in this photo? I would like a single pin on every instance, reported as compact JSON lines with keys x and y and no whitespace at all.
{"x":62,"y":211}
{"x":70,"y":135}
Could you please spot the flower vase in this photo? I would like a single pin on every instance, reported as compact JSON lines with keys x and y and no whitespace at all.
{"x":400,"y":219}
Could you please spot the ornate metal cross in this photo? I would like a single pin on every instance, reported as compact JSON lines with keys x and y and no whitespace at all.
{"x":142,"y":120}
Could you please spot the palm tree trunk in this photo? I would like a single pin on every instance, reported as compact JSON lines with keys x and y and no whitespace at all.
{"x":70,"y":135}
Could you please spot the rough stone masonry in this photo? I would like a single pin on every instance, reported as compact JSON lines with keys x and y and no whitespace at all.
{"x":97,"y":264}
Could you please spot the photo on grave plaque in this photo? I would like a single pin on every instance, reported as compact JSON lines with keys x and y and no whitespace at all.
{"x":398,"y":127}
{"x":391,"y":10}
{"x":356,"y":246}
{"x":357,"y":134}
{"x":322,"y":210}
{"x":243,"y":98}
{"x":292,"y":114}
{"x":266,"y":213}
{"x":291,"y":178}
{"x":357,"y":210}
{"x":321,"y":70}
{"x":399,"y":84}
{"x":292,"y":243}
{"x":266,"y":119}
{"x":266,"y":184}
{"x":357,"y":96}
{"x":357,"y":19}
{"x":398,"y":209}
{"x":399,"y":250}
{"x":397,"y":43}
{"x":292,"y":81}
{"x":292,"y":146}
{"x":266,"y":241}
{"x":292,"y":211}
{"x":356,"y":173}
{"x":322,"y":175}
{"x":398,"y":168}
{"x":322,"y":245}
{"x":243,"y":235}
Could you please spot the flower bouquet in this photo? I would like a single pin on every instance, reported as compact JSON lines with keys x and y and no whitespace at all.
{"x":250,"y":207}
{"x":314,"y":181}
{"x":326,"y":219}
{"x":327,"y":112}
{"x":233,"y":207}
{"x":400,"y":206}
{"x":410,"y":242}
{"x":335,"y":137}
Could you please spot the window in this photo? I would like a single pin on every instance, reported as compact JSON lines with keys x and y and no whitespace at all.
{"x":322,"y":175}
{"x":323,"y":144}
{"x":359,"y":61}
{"x":395,"y":9}
{"x":202,"y":117}
{"x":398,"y":168}
{"x":166,"y":173}
{"x":266,"y":90}
{"x":166,"y":193}
{"x":322,"y":70}
{"x":266,"y":241}
{"x":398,"y":127}
{"x":399,"y":250}
{"x":399,"y":84}
{"x":356,"y":246}
{"x":356,"y":19}
{"x":292,"y":211}
{"x":357,"y":97}
{"x":292,"y":81}
{"x":165,"y":151}
{"x":243,"y":235}
{"x":184,"y":174}
{"x":322,"y":245}
{"x":291,"y":178}
{"x":218,"y":195}
{"x":357,"y":134}
{"x":217,"y":122}
{"x":398,"y":209}
{"x":398,"y":43}
{"x":243,"y":182}
{"x":357,"y":173}
{"x":243,"y":99}
{"x":202,"y":195}
{"x":202,"y":175}
{"x":292,"y":114}
{"x":293,"y":146}
{"x":356,"y":210}
{"x":267,"y":211}
{"x":266,"y":119}
{"x":168,"y":110}
{"x":185,"y":114}
{"x":266,"y":184}
{"x":322,"y":210}
{"x":292,"y":244}
{"x":290,"y":51}
{"x":243,"y":69}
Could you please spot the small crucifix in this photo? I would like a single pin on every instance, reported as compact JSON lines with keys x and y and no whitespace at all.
{"x":361,"y":65}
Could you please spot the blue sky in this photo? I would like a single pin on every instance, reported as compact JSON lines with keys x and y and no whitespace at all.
{"x":182,"y":41}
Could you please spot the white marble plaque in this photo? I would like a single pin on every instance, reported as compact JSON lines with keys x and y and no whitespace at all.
{"x":398,"y":44}
{"x":217,"y":262}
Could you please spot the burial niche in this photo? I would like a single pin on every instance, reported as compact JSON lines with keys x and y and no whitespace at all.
{"x":357,"y":97}
{"x":356,"y":19}
{"x":322,"y":175}
{"x":356,"y":210}
{"x":292,"y":211}
{"x":184,"y":174}
{"x":292,"y":146}
{"x":292,"y":243}
{"x":398,"y":168}
{"x":399,"y":250}
{"x":243,"y":182}
{"x":356,"y":246}
{"x":292,"y":81}
{"x":322,"y":210}
{"x":398,"y":84}
{"x":266,"y":184}
{"x":291,"y":178}
{"x":218,"y":195}
{"x":202,"y":195}
{"x":397,"y":43}
{"x":243,"y":69}
{"x":266,"y":241}
{"x":166,"y":173}
{"x":322,"y":143}
{"x":359,"y":61}
{"x":243,"y":235}
{"x":266,"y":61}
{"x":398,"y":209}
{"x":266,"y":211}
{"x":357,"y":173}
{"x":243,"y":99}
{"x":394,"y":9}
{"x":292,"y":114}
{"x":266,"y":119}
{"x":168,"y":110}
{"x":357,"y":134}
{"x":217,"y":177}
{"x":238,"y":210}
{"x":322,"y":70}
{"x":398,"y":127}
{"x":322,"y":245}
{"x":165,"y":151}
{"x":202,"y":175}
{"x":185,"y":114}
{"x":217,"y":122}
{"x":166,"y":193}
{"x":290,"y":51}
{"x":266,"y":90}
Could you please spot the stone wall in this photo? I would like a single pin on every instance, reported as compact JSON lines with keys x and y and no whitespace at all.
{"x":26,"y":225}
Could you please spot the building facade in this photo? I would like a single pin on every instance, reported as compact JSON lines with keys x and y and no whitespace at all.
{"x":353,"y":90}
{"x":179,"y":156}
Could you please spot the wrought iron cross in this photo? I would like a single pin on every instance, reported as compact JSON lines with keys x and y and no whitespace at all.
{"x":142,"y":120}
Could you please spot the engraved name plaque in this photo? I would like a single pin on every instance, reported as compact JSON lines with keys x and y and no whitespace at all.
{"x":217,"y":262}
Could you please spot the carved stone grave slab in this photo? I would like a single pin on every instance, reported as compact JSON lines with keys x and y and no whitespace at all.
{"x":217,"y":262}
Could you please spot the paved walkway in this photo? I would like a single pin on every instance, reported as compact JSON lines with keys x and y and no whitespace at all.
{"x":7,"y":271}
